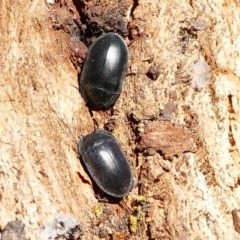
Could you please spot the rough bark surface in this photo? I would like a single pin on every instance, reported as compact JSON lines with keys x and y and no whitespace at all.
{"x":191,"y":190}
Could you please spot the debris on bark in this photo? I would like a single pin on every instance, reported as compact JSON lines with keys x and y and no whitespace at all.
{"x":14,"y":230}
{"x":62,"y":227}
{"x":236,"y":220}
{"x":97,"y":18}
{"x":169,"y":139}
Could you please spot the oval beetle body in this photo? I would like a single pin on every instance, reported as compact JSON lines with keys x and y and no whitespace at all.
{"x":104,"y":71}
{"x":106,"y":163}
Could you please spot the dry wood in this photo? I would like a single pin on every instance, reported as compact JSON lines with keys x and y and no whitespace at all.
{"x":191,"y":193}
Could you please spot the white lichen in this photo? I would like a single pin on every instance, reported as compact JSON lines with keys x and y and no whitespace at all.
{"x":201,"y":74}
{"x":50,"y":1}
{"x":61,"y":226}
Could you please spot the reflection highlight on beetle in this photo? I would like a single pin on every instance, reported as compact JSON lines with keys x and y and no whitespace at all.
{"x":108,"y":159}
{"x":112,"y":61}
{"x":106,"y":163}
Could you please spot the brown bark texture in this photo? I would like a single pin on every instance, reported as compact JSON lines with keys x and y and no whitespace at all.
{"x":177,"y":119}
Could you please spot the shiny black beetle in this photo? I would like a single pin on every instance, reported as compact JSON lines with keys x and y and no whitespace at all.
{"x":106,"y":163}
{"x":104,"y":71}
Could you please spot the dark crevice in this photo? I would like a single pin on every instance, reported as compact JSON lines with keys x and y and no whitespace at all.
{"x":131,"y":26}
{"x":148,"y":232}
{"x":231,"y":112}
{"x":191,"y":3}
{"x":134,"y":6}
{"x":95,"y":123}
{"x":87,"y":29}
{"x":134,"y":127}
{"x":230,"y":108}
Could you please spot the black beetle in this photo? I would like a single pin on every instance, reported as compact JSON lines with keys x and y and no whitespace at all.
{"x":106,"y":163}
{"x":104,"y":71}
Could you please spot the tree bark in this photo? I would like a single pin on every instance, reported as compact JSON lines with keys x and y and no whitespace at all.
{"x":177,"y":118}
